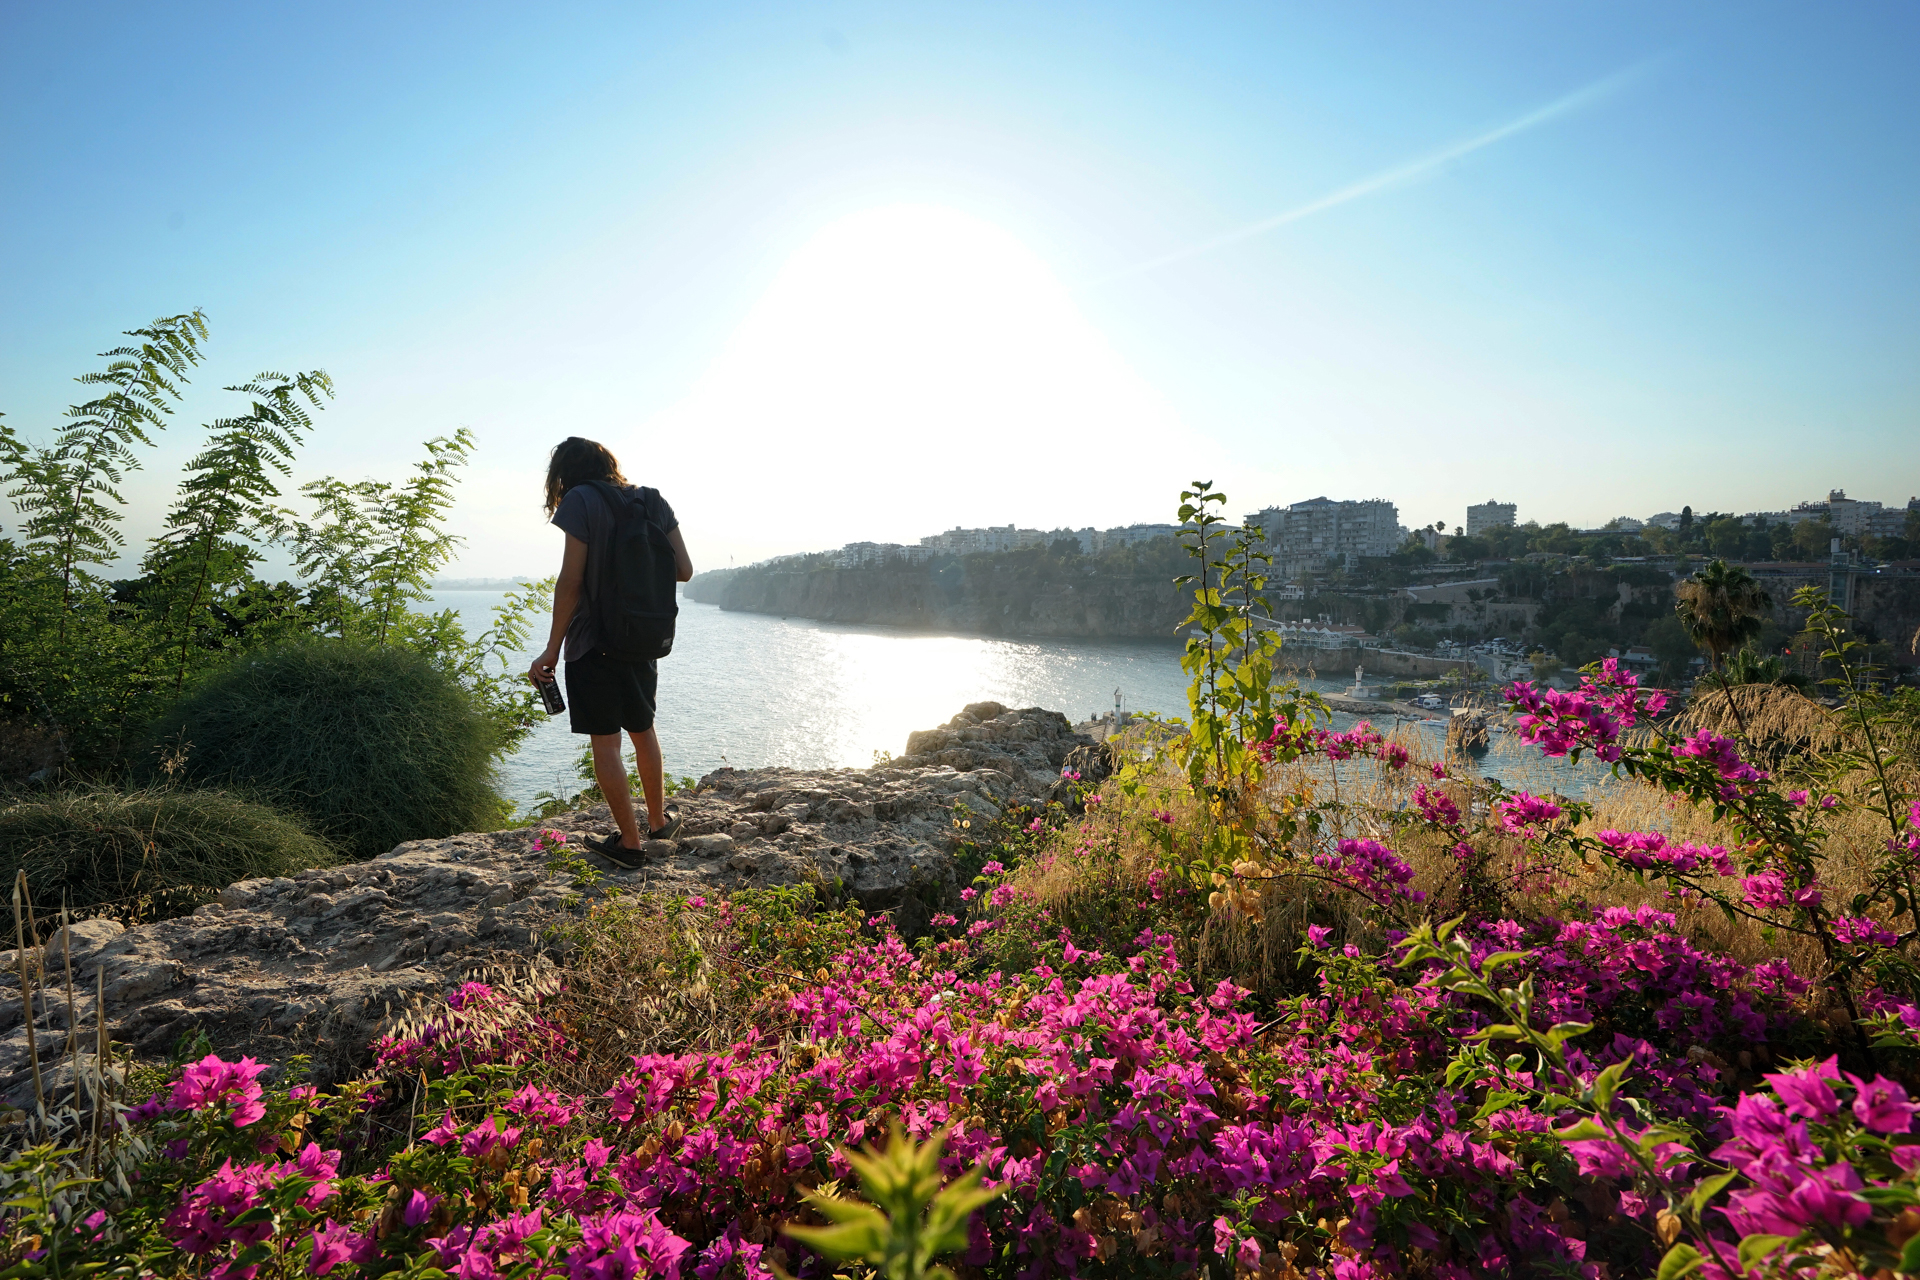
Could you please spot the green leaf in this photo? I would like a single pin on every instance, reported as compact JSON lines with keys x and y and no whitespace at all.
{"x":1658,"y":1134}
{"x":1909,"y":1256}
{"x":1560,"y":1032}
{"x":1704,"y":1193}
{"x":1497,"y":1101}
{"x":1756,"y":1249}
{"x":863,"y":1239}
{"x":1681,"y":1260}
{"x":1607,"y":1083}
{"x":1581,"y":1131}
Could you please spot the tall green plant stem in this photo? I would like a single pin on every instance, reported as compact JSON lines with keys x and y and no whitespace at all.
{"x":1838,"y":646}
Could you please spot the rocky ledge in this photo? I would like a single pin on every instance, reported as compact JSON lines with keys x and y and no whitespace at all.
{"x":318,"y":962}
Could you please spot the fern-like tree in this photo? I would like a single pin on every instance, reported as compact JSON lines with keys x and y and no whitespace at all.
{"x":73,"y":659}
{"x":68,"y":490}
{"x":371,"y":550}
{"x":86,"y":660}
{"x":225,"y":505}
{"x":1722,"y":608}
{"x":372,"y":547}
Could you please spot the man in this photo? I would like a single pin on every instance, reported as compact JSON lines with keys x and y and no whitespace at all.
{"x":606,"y":695}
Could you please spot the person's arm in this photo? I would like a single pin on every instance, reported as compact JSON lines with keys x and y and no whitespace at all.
{"x":682,"y":562}
{"x":566,"y":599}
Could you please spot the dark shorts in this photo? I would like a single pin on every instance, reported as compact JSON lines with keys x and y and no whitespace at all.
{"x":605,"y":695}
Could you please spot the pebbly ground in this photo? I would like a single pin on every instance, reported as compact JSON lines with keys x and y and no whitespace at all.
{"x":318,"y":962}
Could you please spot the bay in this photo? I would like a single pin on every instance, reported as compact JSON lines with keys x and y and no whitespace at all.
{"x":750,"y":690}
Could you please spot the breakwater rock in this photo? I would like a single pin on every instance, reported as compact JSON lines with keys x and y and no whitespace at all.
{"x":319,"y":962}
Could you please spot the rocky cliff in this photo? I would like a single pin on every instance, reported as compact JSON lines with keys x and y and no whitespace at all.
{"x":320,"y":962}
{"x":981,"y":596}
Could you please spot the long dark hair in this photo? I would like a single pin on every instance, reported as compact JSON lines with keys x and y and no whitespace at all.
{"x":576,"y":461}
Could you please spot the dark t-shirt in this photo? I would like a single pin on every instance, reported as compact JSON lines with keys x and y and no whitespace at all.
{"x":584,"y":513}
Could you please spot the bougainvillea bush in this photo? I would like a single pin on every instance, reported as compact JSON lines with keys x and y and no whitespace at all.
{"x":1279,"y":1001}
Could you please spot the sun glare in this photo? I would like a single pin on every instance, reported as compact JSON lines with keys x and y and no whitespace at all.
{"x":912,"y":367}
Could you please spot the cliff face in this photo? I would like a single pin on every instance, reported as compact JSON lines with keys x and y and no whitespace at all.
{"x":977,"y":598}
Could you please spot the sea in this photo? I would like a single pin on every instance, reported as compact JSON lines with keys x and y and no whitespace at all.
{"x":749,"y":690}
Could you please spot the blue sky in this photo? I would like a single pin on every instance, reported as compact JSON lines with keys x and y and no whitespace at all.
{"x":824,"y":272}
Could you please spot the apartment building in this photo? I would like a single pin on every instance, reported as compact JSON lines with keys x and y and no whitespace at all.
{"x":1323,"y":533}
{"x":1490,"y":515}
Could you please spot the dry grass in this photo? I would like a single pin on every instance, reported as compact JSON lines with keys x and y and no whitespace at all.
{"x":635,"y":976}
{"x":1255,"y":938}
{"x":646,"y":979}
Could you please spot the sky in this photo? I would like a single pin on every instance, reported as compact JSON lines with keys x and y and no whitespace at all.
{"x":839,"y":271}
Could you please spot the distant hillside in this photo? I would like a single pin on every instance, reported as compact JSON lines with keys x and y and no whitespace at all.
{"x":1126,"y":591}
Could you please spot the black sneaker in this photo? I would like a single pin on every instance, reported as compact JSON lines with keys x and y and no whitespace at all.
{"x":610,"y":848}
{"x":669,"y":829}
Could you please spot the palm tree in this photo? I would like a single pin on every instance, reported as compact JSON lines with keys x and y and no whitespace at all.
{"x":1721,"y":607}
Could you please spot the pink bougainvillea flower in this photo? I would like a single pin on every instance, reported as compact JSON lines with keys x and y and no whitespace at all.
{"x":1766,"y":891}
{"x":212,"y":1083}
{"x":1522,"y":812}
{"x":1808,"y":1091}
{"x":1881,"y":1104}
{"x":337,"y":1242}
{"x":420,"y":1207}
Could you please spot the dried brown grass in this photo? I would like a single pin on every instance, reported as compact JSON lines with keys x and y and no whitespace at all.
{"x":635,"y":975}
{"x":644,"y":976}
{"x":1256,"y":940}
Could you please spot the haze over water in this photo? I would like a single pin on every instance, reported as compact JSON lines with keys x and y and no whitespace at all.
{"x":752,"y":690}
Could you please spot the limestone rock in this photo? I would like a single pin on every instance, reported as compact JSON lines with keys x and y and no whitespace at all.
{"x":319,"y":962}
{"x":83,"y":938}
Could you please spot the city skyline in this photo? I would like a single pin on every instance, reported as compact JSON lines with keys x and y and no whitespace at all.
{"x":1850,"y":515}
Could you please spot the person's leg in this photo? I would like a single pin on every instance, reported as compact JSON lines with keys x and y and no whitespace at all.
{"x":646,"y":763}
{"x":610,"y":771}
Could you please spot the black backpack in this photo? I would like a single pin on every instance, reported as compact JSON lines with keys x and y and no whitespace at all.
{"x":634,"y":597}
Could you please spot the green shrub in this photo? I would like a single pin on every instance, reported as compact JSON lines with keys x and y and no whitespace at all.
{"x":372,"y":745}
{"x":154,"y":852}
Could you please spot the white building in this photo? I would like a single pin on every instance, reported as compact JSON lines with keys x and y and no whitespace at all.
{"x":1324,"y":633}
{"x":1133,"y":534}
{"x":1322,"y":532}
{"x":1890,"y":522}
{"x":1489,"y":515}
{"x":994,"y":538}
{"x":863,"y":555}
{"x":1856,"y":518}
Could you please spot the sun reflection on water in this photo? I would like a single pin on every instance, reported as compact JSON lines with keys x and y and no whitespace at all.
{"x":750,"y":690}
